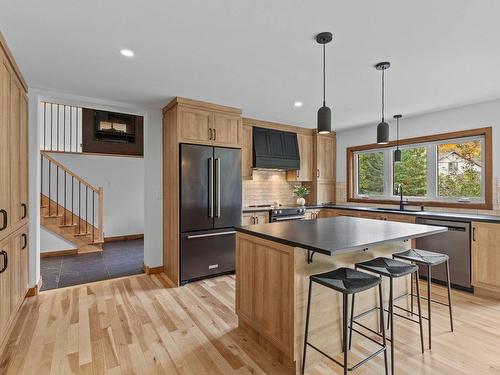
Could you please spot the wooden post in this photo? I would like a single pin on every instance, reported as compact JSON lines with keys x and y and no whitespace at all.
{"x":100,"y":218}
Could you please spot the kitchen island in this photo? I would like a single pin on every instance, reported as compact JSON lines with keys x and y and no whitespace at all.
{"x":273,"y":265}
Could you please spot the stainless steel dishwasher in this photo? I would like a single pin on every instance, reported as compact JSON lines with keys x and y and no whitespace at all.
{"x":456,"y":244}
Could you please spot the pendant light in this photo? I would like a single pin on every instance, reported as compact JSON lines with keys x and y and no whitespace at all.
{"x":383,"y":127}
{"x":324,"y":113}
{"x":397,"y":153}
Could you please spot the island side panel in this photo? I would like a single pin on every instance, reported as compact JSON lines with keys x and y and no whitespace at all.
{"x":265,"y":294}
{"x":325,"y":325}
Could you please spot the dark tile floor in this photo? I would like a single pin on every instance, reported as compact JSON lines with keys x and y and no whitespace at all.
{"x":121,"y":258}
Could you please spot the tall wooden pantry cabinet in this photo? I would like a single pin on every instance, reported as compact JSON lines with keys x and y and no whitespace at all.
{"x":13,"y":191}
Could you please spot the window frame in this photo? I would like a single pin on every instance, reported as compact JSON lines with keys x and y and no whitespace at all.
{"x":432,"y":198}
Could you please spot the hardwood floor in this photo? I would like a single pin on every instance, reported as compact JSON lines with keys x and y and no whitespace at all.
{"x":135,"y":325}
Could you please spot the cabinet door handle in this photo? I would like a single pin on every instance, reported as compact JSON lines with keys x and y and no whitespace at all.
{"x":474,"y":234}
{"x":257,"y":219}
{"x":298,"y":173}
{"x":215,"y":134}
{"x":4,"y":222}
{"x":5,"y":260}
{"x":25,"y":243}
{"x":317,"y":173}
{"x":252,"y":220}
{"x":210,"y":134}
{"x":25,"y":210}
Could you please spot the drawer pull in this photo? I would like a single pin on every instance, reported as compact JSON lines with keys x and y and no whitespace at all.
{"x":5,"y":260}
{"x":4,"y":223}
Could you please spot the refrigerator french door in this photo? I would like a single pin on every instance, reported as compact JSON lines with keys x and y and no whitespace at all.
{"x":210,"y":208}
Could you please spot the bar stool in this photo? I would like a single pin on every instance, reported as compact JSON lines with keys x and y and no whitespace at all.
{"x":346,"y":281}
{"x":392,"y":269}
{"x":428,"y":259}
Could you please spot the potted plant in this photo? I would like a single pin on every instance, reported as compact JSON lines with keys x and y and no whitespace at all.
{"x":301,"y":191}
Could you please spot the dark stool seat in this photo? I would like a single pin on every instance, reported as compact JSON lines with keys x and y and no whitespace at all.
{"x":422,"y":257}
{"x":387,"y":267}
{"x":346,"y":280}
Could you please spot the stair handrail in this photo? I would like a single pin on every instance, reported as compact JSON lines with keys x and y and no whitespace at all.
{"x":54,"y":161}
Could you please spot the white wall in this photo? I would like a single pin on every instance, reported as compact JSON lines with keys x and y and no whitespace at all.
{"x":123,"y":181}
{"x":52,"y":242}
{"x":153,"y":244}
{"x":462,"y":118}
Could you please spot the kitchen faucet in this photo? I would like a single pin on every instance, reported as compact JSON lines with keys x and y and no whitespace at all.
{"x":402,"y":203}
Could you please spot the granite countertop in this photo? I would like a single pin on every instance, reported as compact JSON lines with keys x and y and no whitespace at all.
{"x":337,"y":235}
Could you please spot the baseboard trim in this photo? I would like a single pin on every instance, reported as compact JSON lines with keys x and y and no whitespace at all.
{"x":35,"y":290}
{"x":48,"y":254}
{"x":486,"y":292}
{"x":152,"y":270}
{"x":127,"y":237}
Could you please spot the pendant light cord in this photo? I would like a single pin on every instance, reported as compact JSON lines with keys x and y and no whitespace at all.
{"x":383,"y":92}
{"x":324,"y":75}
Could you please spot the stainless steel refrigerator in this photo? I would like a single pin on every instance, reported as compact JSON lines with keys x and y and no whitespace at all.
{"x":210,"y":208}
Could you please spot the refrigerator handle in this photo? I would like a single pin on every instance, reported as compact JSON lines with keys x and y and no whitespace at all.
{"x":217,"y":186}
{"x":211,"y":187}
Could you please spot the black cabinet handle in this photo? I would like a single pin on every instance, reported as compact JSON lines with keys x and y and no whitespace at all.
{"x":474,"y":234}
{"x":210,"y":134}
{"x":215,"y":134}
{"x":4,"y":222}
{"x":5,"y":260}
{"x":25,"y":243}
{"x":25,"y":210}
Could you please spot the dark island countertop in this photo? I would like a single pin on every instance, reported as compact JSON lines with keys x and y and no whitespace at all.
{"x":337,"y":235}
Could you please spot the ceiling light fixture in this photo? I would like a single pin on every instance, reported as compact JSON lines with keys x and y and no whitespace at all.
{"x":383,"y":127}
{"x":298,"y":104}
{"x":397,"y":153}
{"x":127,"y":52}
{"x":324,"y":113}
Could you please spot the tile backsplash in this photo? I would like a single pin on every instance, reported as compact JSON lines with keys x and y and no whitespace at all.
{"x":342,"y":199}
{"x":267,"y":187}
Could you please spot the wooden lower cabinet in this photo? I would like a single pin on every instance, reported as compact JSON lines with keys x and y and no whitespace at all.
{"x":486,"y":257}
{"x":14,"y":278}
{"x":255,"y":218}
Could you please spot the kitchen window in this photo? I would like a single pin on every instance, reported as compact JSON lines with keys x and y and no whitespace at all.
{"x":452,"y":169}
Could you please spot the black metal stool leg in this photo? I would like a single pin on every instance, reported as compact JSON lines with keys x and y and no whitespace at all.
{"x":351,"y":321}
{"x":411,"y":294}
{"x":391,"y":316}
{"x":344,"y":315}
{"x":449,"y":292}
{"x":381,"y":300}
{"x":419,"y":312}
{"x":307,"y":328}
{"x":429,"y":316}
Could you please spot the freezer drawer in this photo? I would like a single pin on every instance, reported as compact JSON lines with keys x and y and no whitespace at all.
{"x":207,"y":253}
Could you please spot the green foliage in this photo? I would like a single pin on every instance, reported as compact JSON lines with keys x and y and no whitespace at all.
{"x":371,"y":173}
{"x":411,"y":172}
{"x":301,"y":191}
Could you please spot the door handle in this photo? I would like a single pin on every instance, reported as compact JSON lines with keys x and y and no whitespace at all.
{"x":252,"y":220}
{"x":211,"y":187}
{"x":211,"y":234}
{"x":257,"y":219}
{"x":25,"y":210}
{"x":215,"y":134}
{"x":210,"y":134}
{"x":217,"y":186}
{"x":474,"y":234}
{"x":5,"y":260}
{"x":23,"y":236}
{"x":317,"y":173}
{"x":298,"y":173}
{"x":4,"y":222}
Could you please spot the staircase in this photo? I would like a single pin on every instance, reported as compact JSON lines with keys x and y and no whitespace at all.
{"x":70,"y":206}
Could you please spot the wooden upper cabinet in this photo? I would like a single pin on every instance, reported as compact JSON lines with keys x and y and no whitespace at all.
{"x":246,"y":152}
{"x":486,"y":256}
{"x":15,"y":152}
{"x":194,"y":125}
{"x":5,"y":209}
{"x":226,"y":130}
{"x":325,"y":157}
{"x":306,"y":149}
{"x":23,"y":158}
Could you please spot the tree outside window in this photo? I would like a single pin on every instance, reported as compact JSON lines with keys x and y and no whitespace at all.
{"x":371,"y":173}
{"x":411,"y":172}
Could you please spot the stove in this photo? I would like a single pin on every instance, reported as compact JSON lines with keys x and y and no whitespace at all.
{"x":287,"y":214}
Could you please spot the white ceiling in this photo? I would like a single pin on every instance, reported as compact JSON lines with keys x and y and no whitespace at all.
{"x":261,"y":55}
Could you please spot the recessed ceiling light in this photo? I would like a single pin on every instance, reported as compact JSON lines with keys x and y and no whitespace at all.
{"x":127,"y":52}
{"x":298,"y":104}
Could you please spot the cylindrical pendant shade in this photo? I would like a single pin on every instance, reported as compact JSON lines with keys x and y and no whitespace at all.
{"x":383,"y":133}
{"x":397,"y":155}
{"x":324,"y":120}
